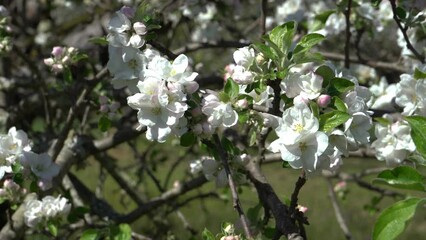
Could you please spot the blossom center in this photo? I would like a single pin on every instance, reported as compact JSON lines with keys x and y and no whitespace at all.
{"x":298,"y":127}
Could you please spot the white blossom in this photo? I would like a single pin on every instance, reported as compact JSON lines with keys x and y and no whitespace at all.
{"x":40,"y":164}
{"x":13,"y":145}
{"x":218,"y":112}
{"x":393,"y":143}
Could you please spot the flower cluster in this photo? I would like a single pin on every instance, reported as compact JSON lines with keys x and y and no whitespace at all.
{"x":61,"y":58}
{"x":11,"y":192}
{"x":38,"y":213}
{"x":15,"y":153}
{"x":306,"y":142}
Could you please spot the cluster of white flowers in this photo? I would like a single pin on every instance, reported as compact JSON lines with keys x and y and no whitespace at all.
{"x":161,"y":100}
{"x":62,"y":57}
{"x":393,"y":143}
{"x":126,"y":61}
{"x":15,"y":149}
{"x":411,"y":94}
{"x":37,"y":212}
{"x":383,"y":95}
{"x":11,"y":191}
{"x":300,"y":140}
{"x":213,"y":170}
{"x":244,"y":58}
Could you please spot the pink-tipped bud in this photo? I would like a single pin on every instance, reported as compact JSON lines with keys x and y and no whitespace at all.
{"x":303,"y":209}
{"x":57,"y":52}
{"x":128,"y":11}
{"x":324,"y":100}
{"x":340,"y":186}
{"x":242,"y":103}
{"x":49,"y":61}
{"x":139,"y":28}
{"x":104,"y":108}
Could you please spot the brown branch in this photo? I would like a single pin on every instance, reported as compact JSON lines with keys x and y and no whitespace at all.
{"x":339,"y":217}
{"x":404,"y":33}
{"x":284,"y":223}
{"x":191,"y":47}
{"x":236,"y":201}
{"x":371,"y":63}
{"x":348,"y":33}
{"x":263,"y":8}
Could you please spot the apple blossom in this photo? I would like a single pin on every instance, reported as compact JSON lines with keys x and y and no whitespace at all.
{"x":218,"y":112}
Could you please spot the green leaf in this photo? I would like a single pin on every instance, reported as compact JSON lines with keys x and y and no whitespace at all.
{"x":34,"y":187}
{"x":207,"y":235}
{"x":124,"y":232}
{"x":253,"y":214}
{"x":322,"y":17}
{"x":104,"y":123}
{"x":283,"y":35}
{"x":314,"y":108}
{"x":52,"y":229}
{"x":329,"y":121}
{"x":400,"y":12}
{"x":418,"y":133}
{"x":102,"y":41}
{"x":266,"y":51}
{"x":77,"y":214}
{"x":391,"y":221}
{"x":188,"y":139}
{"x":78,"y":57}
{"x":339,"y":104}
{"x":403,"y":177}
{"x":90,"y":234}
{"x":307,"y":57}
{"x":419,"y":74}
{"x":67,"y":75}
{"x":340,"y":85}
{"x":231,"y":88}
{"x":326,"y":73}
{"x":417,"y":159}
{"x":382,"y":121}
{"x":307,"y":42}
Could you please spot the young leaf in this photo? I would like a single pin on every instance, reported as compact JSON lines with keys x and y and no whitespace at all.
{"x":307,"y":42}
{"x":207,"y":235}
{"x":340,"y":85}
{"x":102,"y":41}
{"x":329,"y":121}
{"x":188,"y":139}
{"x":283,"y":35}
{"x":326,"y":73}
{"x":90,"y":234}
{"x":231,"y":88}
{"x":391,"y":221}
{"x":124,"y":232}
{"x":104,"y":124}
{"x":52,"y":229}
{"x":403,"y":177}
{"x":339,"y":104}
{"x":419,"y":74}
{"x":418,"y":133}
{"x":266,"y":51}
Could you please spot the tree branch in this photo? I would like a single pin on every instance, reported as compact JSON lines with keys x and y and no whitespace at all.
{"x":348,"y":33}
{"x":339,"y":217}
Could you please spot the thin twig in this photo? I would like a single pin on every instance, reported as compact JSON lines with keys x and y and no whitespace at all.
{"x":339,"y":217}
{"x":236,"y":201}
{"x":263,"y":8}
{"x":404,"y":33}
{"x":348,"y":33}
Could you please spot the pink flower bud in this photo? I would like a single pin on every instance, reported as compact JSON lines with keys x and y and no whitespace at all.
{"x":324,"y":100}
{"x":103,"y":100}
{"x":48,"y":61}
{"x":242,"y":103}
{"x":104,"y":108}
{"x":303,"y":209}
{"x":139,"y":28}
{"x":340,"y":186}
{"x":57,"y":52}
{"x":128,"y":11}
{"x":57,"y":67}
{"x":44,"y":184}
